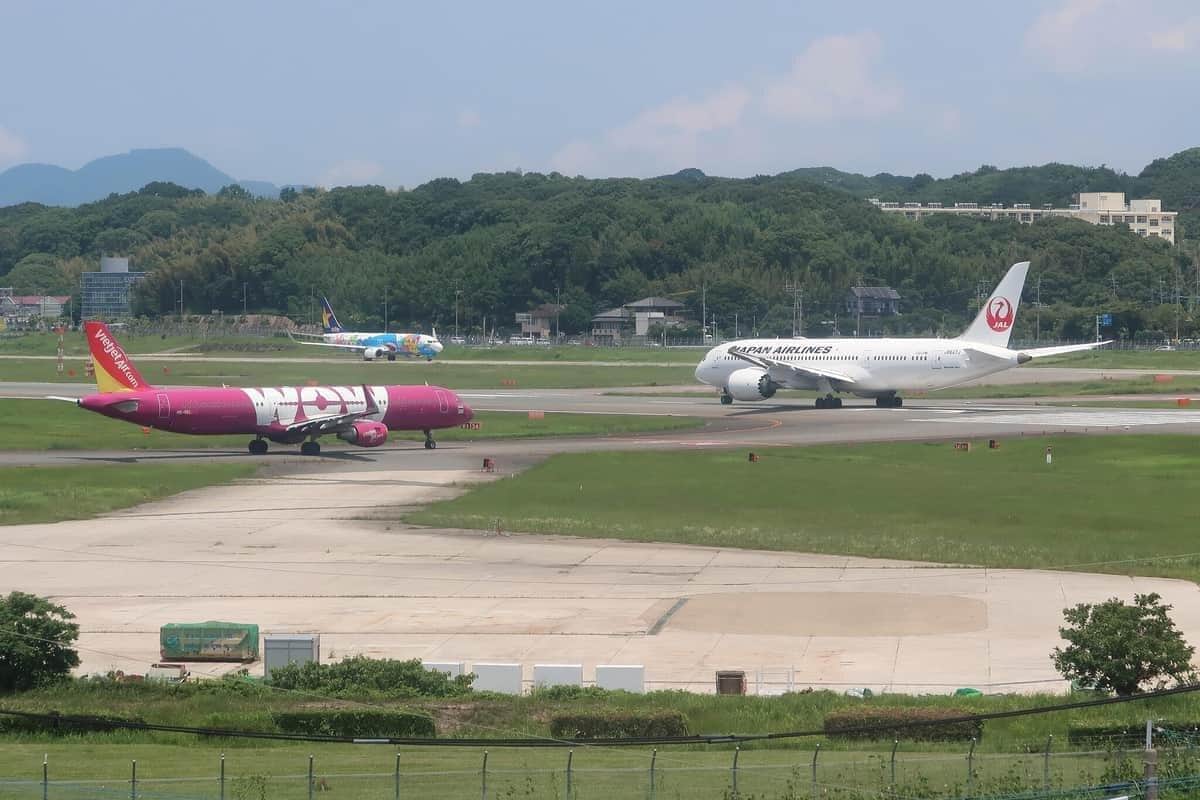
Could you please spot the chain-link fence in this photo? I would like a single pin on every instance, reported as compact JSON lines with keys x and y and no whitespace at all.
{"x":610,"y":773}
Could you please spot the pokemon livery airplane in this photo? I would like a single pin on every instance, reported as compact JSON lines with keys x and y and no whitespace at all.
{"x":372,"y":346}
{"x":754,"y":369}
{"x":358,"y":415}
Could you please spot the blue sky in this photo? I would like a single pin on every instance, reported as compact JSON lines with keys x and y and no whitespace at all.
{"x":399,"y":93}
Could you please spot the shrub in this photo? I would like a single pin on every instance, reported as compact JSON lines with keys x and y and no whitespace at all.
{"x":910,"y":723}
{"x":613,"y":725}
{"x":357,"y":723}
{"x":52,"y":724}
{"x":359,"y":675}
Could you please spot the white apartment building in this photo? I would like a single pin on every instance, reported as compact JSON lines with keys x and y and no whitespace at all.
{"x":1143,"y":217}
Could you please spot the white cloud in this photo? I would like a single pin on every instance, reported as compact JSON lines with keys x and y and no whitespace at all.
{"x":1179,"y":38}
{"x":832,"y":80}
{"x":12,"y":147}
{"x":1106,"y":37}
{"x":352,"y":172}
{"x":468,"y":118}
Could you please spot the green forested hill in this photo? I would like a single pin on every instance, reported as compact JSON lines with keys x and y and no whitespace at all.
{"x":508,"y":241}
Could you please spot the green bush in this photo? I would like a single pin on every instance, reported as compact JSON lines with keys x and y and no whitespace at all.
{"x":362,"y":675}
{"x":898,"y":723}
{"x":52,"y":724}
{"x":357,"y":723}
{"x":612,"y":725}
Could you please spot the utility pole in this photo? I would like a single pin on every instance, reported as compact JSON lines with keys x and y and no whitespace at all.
{"x":457,"y":292}
{"x":797,"y":293}
{"x":243,"y":298}
{"x":180,"y":301}
{"x":735,"y":325}
{"x":703,"y":308}
{"x":385,"y":314}
{"x":1037,"y":336}
{"x":557,"y":311}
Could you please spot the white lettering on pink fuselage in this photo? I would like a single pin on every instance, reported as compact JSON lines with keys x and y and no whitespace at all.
{"x":287,"y":405}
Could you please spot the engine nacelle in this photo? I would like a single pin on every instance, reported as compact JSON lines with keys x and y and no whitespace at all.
{"x":372,"y":353}
{"x":751,"y":384}
{"x":365,"y":433}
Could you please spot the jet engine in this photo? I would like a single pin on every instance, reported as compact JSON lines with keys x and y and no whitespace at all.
{"x":751,"y":384}
{"x":372,"y":353}
{"x":365,"y":433}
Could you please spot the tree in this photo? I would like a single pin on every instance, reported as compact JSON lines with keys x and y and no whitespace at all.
{"x":38,"y":273}
{"x":35,"y":642}
{"x":1119,"y":647}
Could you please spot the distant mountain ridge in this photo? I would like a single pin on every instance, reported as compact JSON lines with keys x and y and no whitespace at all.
{"x":116,"y":174}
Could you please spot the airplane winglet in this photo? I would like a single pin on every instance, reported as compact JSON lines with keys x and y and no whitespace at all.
{"x":372,"y":406}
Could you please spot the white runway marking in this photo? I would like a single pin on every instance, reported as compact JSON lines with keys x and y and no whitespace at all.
{"x":1089,"y":419}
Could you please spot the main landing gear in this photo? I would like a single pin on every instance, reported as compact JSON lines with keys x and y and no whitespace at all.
{"x":889,"y":401}
{"x":726,"y":399}
{"x":430,"y":444}
{"x":312,"y":448}
{"x":391,"y":356}
{"x":258,"y":447}
{"x":829,"y":402}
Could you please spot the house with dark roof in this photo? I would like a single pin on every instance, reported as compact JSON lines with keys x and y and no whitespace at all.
{"x":872,"y":301}
{"x":539,"y":323}
{"x":635,"y":319}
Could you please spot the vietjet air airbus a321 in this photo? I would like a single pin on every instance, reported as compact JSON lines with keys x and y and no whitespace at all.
{"x":754,"y":369}
{"x":359,"y":415}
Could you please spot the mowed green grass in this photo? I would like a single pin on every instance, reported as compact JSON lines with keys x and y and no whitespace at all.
{"x":1125,"y":359}
{"x":1104,"y":501}
{"x":356,"y":372}
{"x":50,"y":494}
{"x":51,"y":425}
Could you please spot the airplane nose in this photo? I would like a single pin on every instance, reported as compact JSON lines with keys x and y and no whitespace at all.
{"x":467,"y":412}
{"x":700,"y":368}
{"x":437,"y":346}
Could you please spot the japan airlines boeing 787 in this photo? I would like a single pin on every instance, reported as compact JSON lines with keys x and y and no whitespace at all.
{"x":754,"y":369}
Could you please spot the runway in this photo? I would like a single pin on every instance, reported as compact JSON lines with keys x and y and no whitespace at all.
{"x":316,"y":545}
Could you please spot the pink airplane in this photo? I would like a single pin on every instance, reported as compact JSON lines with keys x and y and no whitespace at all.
{"x":359,"y":415}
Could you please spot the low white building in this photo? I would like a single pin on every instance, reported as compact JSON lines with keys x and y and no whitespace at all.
{"x":1144,"y":217}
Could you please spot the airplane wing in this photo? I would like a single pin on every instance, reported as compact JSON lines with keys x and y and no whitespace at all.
{"x":354,"y":348}
{"x":333,"y":423}
{"x":1042,"y":352}
{"x":809,"y":370}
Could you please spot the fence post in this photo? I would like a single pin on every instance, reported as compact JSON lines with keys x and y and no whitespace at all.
{"x":734,"y":770}
{"x":895,"y":744}
{"x":483,"y":777}
{"x":653,"y":763}
{"x":310,"y":776}
{"x":971,"y":767}
{"x":570,"y":756}
{"x":816,"y":753}
{"x":133,"y":780}
{"x":1046,"y":764}
{"x":397,"y":784}
{"x":45,"y":776}
{"x":221,"y":777}
{"x":1150,"y":764}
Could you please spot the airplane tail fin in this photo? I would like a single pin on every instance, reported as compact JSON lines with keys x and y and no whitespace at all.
{"x":115,"y":372}
{"x":435,"y":336}
{"x":328,"y":321}
{"x":994,"y":323}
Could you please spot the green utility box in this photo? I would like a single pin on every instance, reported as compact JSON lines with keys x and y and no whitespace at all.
{"x":208,"y":641}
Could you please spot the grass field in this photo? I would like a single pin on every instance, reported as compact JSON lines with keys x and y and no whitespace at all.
{"x":45,"y":424}
{"x":50,"y":494}
{"x":1009,"y":750}
{"x":1125,"y":359}
{"x":46,"y":344}
{"x":1105,"y":499}
{"x":443,"y":373}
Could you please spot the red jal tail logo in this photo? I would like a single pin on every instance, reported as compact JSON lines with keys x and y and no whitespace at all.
{"x":999,"y":314}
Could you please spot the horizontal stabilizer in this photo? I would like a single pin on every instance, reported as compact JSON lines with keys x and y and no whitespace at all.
{"x":1043,"y":352}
